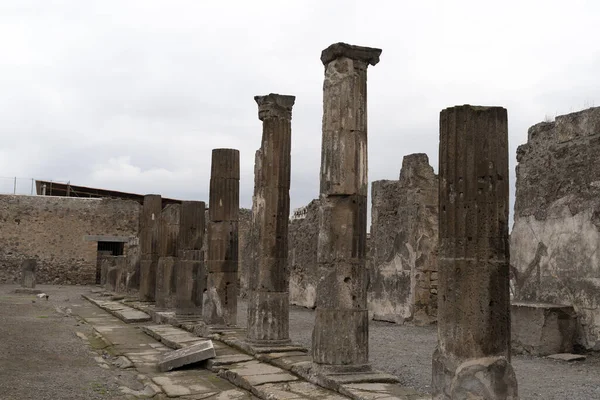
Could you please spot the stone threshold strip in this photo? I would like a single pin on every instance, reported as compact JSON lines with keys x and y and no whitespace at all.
{"x":137,"y":349}
{"x":265,"y":381}
{"x":287,"y":358}
{"x":119,"y":310}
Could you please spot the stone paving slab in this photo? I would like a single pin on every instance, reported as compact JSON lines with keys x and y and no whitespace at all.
{"x":129,"y":342}
{"x":286,"y":362}
{"x":188,"y":355}
{"x":261,"y":379}
{"x":172,"y":337}
{"x":119,"y":310}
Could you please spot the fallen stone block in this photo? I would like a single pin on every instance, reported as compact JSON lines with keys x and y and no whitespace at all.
{"x":186,"y":356}
{"x":567,"y":357}
{"x":542,"y":329}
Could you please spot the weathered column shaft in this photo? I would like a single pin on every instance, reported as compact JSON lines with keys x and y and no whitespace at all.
{"x":268,"y":296}
{"x":191,"y":274}
{"x":220,"y":300}
{"x":473,"y":288}
{"x":340,"y":336}
{"x":167,"y":262}
{"x":149,"y":237}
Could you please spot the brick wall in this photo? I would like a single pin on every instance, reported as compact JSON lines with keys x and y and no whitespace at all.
{"x":53,"y":231}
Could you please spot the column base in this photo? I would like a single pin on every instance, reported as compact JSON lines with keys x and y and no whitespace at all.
{"x":490,"y":378}
{"x":327,"y":369}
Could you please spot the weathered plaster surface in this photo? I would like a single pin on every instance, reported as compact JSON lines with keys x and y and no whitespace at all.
{"x":404,"y":234}
{"x":555,"y":237}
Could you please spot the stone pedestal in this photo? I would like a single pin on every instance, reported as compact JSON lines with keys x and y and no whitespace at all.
{"x":191,"y":274}
{"x":220,"y":298}
{"x":149,"y":237}
{"x":472,"y":359}
{"x":542,"y":329}
{"x":340,"y":336}
{"x":28,"y":268}
{"x":167,"y":262}
{"x":268,"y":294}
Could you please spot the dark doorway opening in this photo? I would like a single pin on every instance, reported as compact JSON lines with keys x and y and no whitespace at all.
{"x":115,"y":248}
{"x":107,"y":249}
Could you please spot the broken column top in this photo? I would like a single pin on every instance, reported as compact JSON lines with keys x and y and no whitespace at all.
{"x":474,"y":108}
{"x":225,"y":164}
{"x":275,"y":105}
{"x":369,"y":55}
{"x":415,"y":168}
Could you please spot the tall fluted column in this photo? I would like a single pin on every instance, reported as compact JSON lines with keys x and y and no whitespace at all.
{"x":220,"y":300}
{"x":268,"y":295}
{"x":149,"y":237}
{"x":341,"y":333}
{"x":472,"y":359}
{"x":167,"y":260}
{"x":191,"y":274}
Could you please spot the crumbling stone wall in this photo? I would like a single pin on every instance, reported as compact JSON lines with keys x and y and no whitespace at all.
{"x":302,"y":255}
{"x":555,"y":239}
{"x":404,"y":236}
{"x":53,"y":231}
{"x":245,"y":249}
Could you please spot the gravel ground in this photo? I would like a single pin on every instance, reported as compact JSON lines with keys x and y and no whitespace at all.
{"x":41,"y":357}
{"x":405,"y":351}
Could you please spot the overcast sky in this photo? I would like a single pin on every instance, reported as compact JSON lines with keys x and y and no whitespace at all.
{"x":134,"y":95}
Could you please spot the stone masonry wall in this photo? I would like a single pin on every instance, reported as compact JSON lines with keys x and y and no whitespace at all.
{"x":404,"y":235}
{"x":554,"y":244}
{"x":302,"y":256}
{"x":52,"y":230}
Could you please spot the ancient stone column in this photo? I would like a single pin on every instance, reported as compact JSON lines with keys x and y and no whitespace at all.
{"x":472,"y":359}
{"x":220,"y":300}
{"x":149,"y":236}
{"x":341,"y":333}
{"x":191,"y":274}
{"x":167,"y":261}
{"x":268,"y":295}
{"x":28,"y":268}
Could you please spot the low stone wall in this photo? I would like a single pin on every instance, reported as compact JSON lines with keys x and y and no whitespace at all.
{"x":56,"y":231}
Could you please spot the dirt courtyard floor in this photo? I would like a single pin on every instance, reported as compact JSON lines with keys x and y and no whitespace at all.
{"x":41,"y":356}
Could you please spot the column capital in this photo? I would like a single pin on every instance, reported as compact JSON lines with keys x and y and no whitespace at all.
{"x":368,"y":55}
{"x":275,"y":105}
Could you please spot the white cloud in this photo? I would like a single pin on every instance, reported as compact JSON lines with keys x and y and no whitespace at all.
{"x":135,"y":95}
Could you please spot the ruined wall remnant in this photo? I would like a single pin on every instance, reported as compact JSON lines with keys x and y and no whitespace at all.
{"x":302,"y":255}
{"x":556,"y":233}
{"x":404,"y":236}
{"x":59,"y":233}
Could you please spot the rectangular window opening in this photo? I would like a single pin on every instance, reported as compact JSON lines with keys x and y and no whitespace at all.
{"x":115,"y":248}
